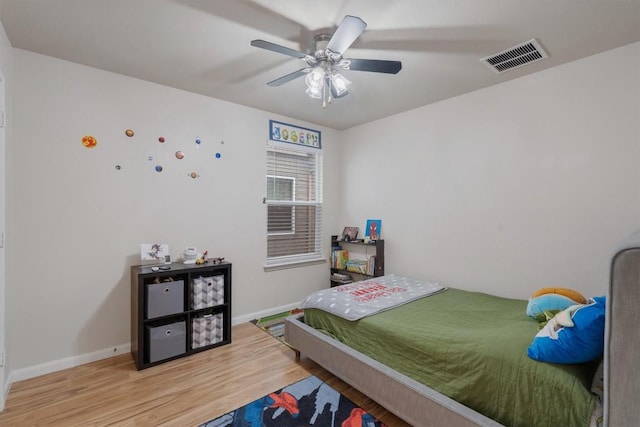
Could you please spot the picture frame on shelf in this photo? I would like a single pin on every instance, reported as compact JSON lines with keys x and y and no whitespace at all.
{"x":153,"y":251}
{"x":372,"y":230}
{"x":350,"y":234}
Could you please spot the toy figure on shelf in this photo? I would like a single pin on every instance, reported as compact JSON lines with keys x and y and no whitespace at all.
{"x":203,"y":258}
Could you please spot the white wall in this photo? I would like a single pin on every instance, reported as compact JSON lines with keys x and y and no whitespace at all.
{"x":519,"y":186}
{"x":6,"y":66}
{"x":522,"y":185}
{"x":79,"y":221}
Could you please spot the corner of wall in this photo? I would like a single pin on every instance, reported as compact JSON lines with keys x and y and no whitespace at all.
{"x":6,"y":387}
{"x":6,"y":67}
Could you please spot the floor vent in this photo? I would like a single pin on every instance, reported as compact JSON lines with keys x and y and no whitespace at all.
{"x":515,"y":57}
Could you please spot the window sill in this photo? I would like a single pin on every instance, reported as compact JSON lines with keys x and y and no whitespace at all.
{"x":294,"y":264}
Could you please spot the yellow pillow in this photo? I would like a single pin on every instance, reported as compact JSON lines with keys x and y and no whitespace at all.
{"x":569,"y":293}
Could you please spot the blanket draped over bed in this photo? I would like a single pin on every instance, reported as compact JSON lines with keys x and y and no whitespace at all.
{"x":360,"y":299}
{"x":471,"y":347}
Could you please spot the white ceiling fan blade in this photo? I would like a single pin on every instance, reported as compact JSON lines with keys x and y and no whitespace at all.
{"x":349,"y":30}
{"x":278,"y":48}
{"x":284,"y":79}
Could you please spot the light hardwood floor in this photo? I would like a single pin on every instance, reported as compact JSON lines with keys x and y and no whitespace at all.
{"x":183,"y":392}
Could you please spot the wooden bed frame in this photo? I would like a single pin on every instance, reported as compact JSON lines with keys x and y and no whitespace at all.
{"x":420,"y":405}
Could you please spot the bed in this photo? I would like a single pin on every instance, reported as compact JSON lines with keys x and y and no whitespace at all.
{"x":409,"y":398}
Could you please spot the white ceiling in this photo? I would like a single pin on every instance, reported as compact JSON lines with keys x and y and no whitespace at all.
{"x":203,"y":46}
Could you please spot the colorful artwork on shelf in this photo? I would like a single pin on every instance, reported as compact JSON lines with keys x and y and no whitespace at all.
{"x":153,"y":251}
{"x":372,"y":230}
{"x":284,"y":132}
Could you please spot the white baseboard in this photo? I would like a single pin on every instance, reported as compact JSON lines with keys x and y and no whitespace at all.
{"x":68,"y":362}
{"x":264,"y":313}
{"x":73,"y":361}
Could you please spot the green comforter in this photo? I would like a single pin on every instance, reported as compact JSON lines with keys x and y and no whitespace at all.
{"x":471,"y":347}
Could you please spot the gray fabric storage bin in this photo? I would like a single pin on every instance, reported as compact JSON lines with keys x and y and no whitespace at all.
{"x":207,"y":292}
{"x":165,"y":298}
{"x":166,"y":341}
{"x":207,"y":330}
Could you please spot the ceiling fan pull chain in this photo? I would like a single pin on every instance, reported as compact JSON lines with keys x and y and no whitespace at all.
{"x":324,"y":96}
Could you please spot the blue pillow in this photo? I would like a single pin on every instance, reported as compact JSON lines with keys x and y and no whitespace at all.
{"x":546,"y":302}
{"x":581,"y":343}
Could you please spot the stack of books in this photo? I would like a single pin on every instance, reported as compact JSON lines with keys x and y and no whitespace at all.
{"x":342,"y":279}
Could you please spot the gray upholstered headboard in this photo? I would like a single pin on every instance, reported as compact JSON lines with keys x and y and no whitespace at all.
{"x":622,"y":337}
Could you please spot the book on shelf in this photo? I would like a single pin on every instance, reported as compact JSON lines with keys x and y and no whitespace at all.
{"x":357,"y":266}
{"x":339,"y":259}
{"x":342,"y":279}
{"x":371,"y":265}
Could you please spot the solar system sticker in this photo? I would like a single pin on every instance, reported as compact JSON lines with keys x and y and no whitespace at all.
{"x":89,"y":141}
{"x":291,"y":134}
{"x":160,"y":164}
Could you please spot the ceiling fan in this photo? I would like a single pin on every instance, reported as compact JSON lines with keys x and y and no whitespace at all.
{"x":322,"y":77}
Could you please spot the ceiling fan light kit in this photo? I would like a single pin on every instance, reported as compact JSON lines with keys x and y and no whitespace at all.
{"x":322,"y":77}
{"x":340,"y":84}
{"x":326,"y":84}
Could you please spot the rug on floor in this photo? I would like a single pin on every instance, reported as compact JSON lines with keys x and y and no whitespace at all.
{"x":274,"y":324}
{"x":308,"y":402}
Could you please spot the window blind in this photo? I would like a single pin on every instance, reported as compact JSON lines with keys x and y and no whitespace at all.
{"x":294,"y":204}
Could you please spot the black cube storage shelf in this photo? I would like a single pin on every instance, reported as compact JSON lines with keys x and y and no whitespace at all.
{"x":169,"y":321}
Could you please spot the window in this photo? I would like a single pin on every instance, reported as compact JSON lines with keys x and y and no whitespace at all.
{"x":281,"y":218}
{"x":294,"y":204}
